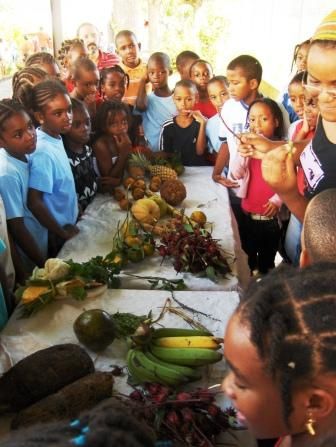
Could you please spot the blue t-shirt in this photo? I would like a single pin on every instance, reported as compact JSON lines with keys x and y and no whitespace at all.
{"x":14,"y":179}
{"x":51,"y":174}
{"x":158,"y":111}
{"x":3,"y":307}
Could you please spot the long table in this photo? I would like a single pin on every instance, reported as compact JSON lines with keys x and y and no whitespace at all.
{"x":100,"y":221}
{"x":54,"y":324}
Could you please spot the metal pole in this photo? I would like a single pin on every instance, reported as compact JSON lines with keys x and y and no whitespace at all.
{"x":56,"y":21}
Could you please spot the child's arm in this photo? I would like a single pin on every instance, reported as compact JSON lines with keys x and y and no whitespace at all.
{"x":22,"y":237}
{"x":239,"y":166}
{"x":201,"y":138}
{"x":104,"y":157}
{"x":272,"y":206}
{"x":166,"y":142}
{"x":222,"y":161}
{"x":142,"y":101}
{"x":39,"y":209}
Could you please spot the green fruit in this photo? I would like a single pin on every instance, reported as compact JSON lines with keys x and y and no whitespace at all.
{"x":95,"y":329}
{"x":179,"y":169}
{"x":135,"y":254}
{"x":163,"y":205}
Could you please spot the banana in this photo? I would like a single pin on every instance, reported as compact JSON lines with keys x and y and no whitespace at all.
{"x":146,"y":370}
{"x":187,"y":356}
{"x":198,"y":341}
{"x":131,"y":368}
{"x":177,"y":332}
{"x":191,"y":373}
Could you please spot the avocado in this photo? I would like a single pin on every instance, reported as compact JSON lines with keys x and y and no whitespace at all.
{"x":95,"y":329}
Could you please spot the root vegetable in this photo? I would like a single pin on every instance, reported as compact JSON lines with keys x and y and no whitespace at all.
{"x":43,"y":373}
{"x":68,"y":402}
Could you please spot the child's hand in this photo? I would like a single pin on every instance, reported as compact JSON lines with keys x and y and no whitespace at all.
{"x":270,"y":209}
{"x":69,"y":231}
{"x":225,"y":181}
{"x":197,"y":115}
{"x":123,"y":143}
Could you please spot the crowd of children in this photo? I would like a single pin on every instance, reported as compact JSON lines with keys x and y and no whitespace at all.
{"x":68,"y":133}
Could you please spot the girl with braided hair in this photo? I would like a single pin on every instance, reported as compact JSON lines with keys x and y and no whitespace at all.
{"x":18,"y":142}
{"x":46,"y":62}
{"x":280,"y":346}
{"x":23,"y":81}
{"x":52,"y":194}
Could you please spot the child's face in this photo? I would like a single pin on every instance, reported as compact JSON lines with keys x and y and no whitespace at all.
{"x":81,"y":127}
{"x":118,"y":124}
{"x":201,"y":74}
{"x":262,"y":120}
{"x":114,"y":86}
{"x":218,"y":94}
{"x":321,"y":80}
{"x":56,"y":116}
{"x":18,"y":135}
{"x":184,"y":69}
{"x":128,"y":49}
{"x":253,"y":391}
{"x":296,"y":96}
{"x":301,"y":58}
{"x":87,"y":83}
{"x":311,"y":110}
{"x":158,"y":73}
{"x":184,"y":99}
{"x":239,"y":87}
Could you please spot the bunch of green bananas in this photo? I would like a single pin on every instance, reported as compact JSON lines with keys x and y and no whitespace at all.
{"x":172,"y":355}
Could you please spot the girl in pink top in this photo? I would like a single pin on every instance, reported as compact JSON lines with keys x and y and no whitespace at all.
{"x":261,"y":232}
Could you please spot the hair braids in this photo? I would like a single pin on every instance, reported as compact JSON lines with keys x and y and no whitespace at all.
{"x":292,"y":317}
{"x":8,"y":108}
{"x":39,"y":58}
{"x":44,"y":92}
{"x":24,"y":80}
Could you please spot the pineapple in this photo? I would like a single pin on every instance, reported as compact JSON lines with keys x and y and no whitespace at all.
{"x":140,"y":161}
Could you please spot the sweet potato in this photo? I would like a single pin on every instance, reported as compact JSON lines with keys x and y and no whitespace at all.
{"x":68,"y":402}
{"x":43,"y":373}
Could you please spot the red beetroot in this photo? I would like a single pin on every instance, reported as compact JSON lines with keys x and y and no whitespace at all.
{"x":136,"y":395}
{"x":172,"y":418}
{"x":183,"y":396}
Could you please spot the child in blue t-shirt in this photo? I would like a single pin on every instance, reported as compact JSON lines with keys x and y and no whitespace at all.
{"x":18,"y":141}
{"x":158,"y":106}
{"x":52,"y":194}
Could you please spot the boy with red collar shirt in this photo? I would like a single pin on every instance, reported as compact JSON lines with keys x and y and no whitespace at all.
{"x":128,"y":47}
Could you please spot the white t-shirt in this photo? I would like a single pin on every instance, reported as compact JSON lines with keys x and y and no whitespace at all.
{"x":234,"y":113}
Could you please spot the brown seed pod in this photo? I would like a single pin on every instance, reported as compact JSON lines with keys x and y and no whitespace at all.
{"x":138,"y":193}
{"x":118,"y":194}
{"x":140,"y":183}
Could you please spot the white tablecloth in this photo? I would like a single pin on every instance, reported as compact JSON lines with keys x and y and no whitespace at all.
{"x":99,"y":223}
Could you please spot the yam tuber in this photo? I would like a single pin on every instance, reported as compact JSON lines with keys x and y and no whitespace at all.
{"x":43,"y":373}
{"x":68,"y":402}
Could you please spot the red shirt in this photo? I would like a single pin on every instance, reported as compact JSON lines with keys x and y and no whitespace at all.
{"x":206,"y":108}
{"x":258,"y":191}
{"x":106,"y":60}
